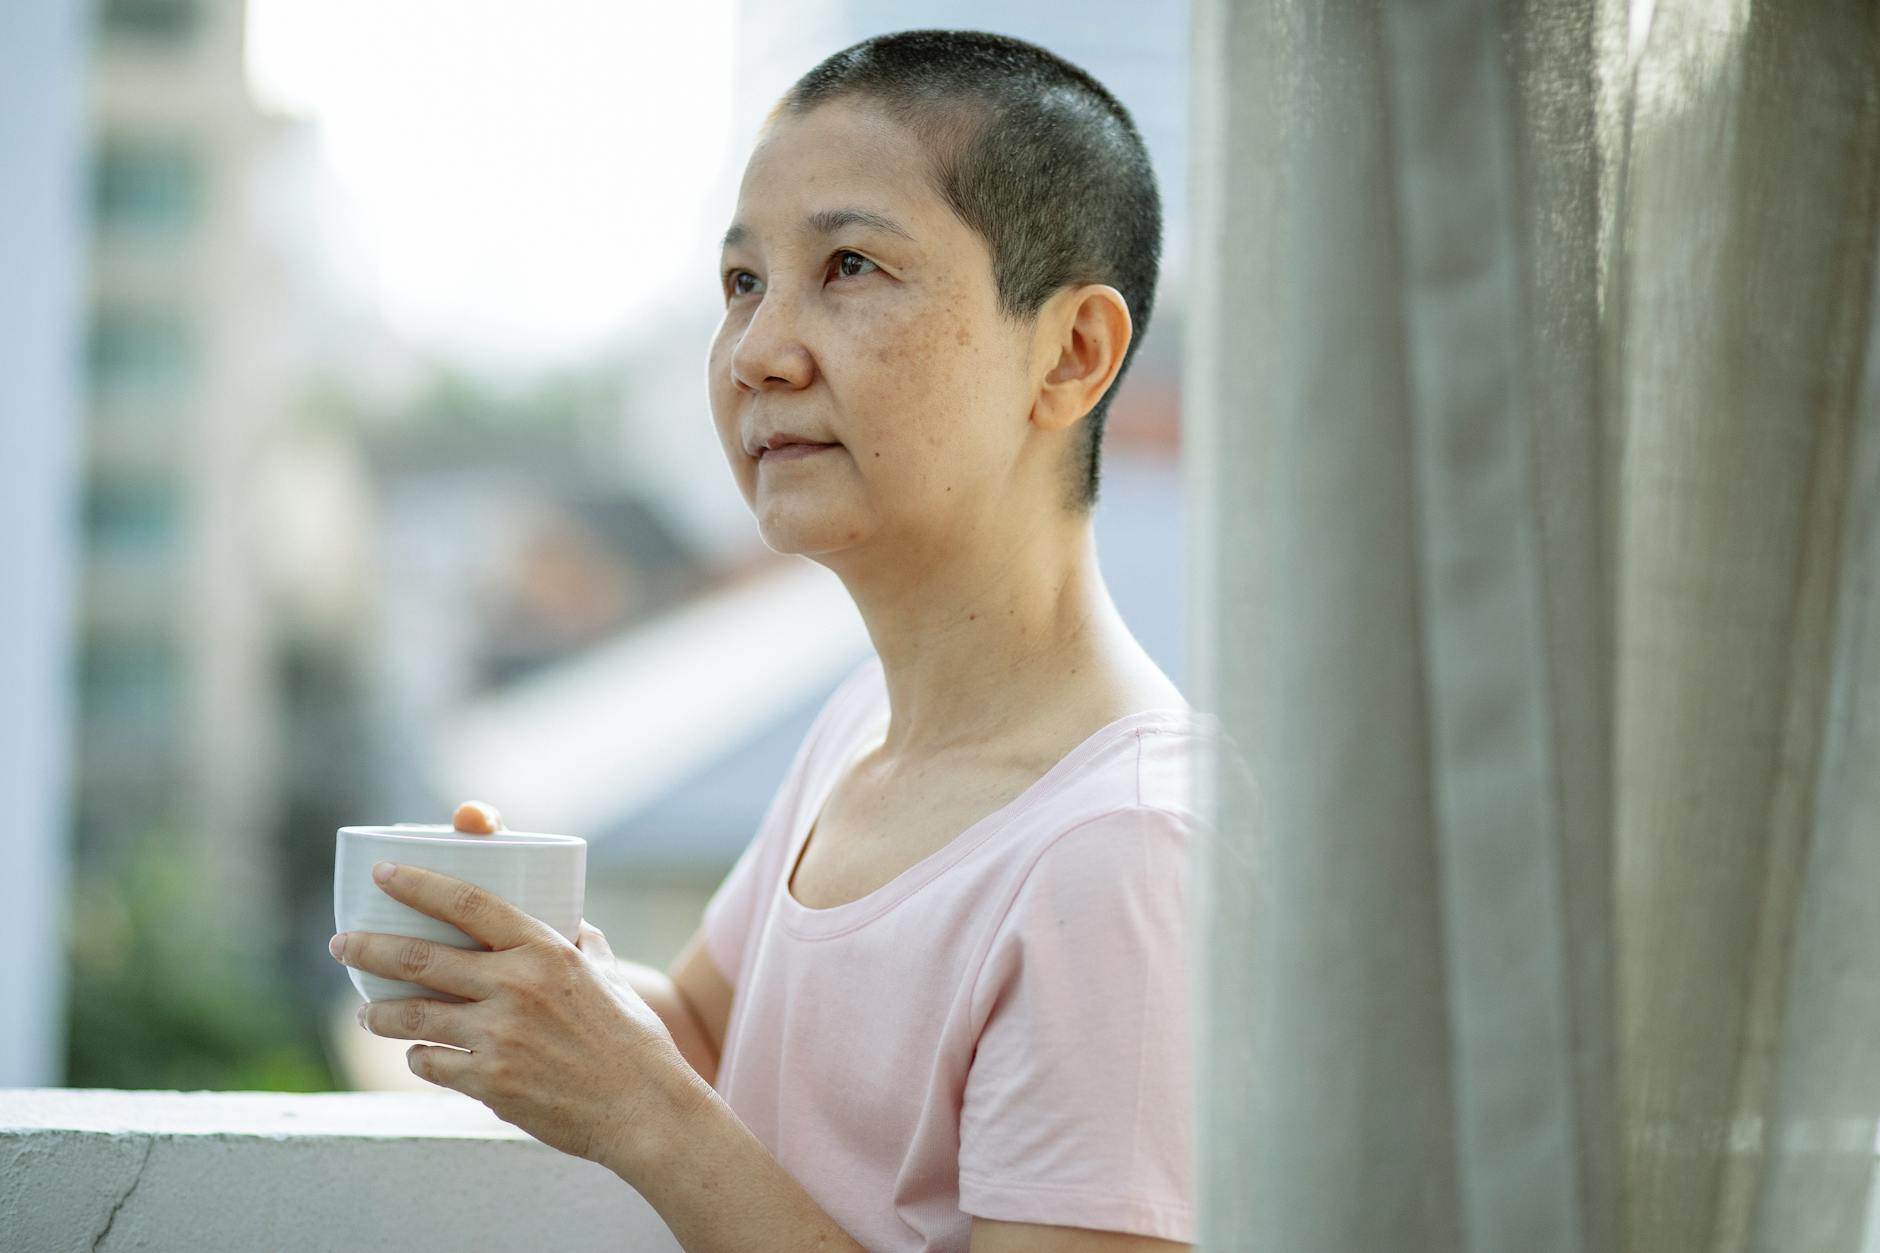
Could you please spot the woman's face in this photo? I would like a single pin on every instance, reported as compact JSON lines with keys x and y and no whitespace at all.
{"x":884,"y":342}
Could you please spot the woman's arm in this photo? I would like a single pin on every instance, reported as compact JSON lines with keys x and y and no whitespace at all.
{"x":716,"y":1185}
{"x":658,"y":989}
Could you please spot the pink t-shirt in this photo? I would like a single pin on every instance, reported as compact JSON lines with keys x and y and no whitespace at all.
{"x":1003,"y":1030}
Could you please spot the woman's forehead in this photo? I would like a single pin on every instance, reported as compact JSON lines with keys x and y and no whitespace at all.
{"x":832,"y":157}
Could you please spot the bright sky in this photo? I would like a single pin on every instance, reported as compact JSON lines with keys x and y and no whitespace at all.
{"x":529,"y":177}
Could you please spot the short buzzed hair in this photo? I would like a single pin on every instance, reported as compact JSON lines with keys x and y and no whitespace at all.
{"x":1034,"y":156}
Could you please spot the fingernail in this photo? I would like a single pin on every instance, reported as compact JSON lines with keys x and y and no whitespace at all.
{"x":335,"y":944}
{"x":359,"y":1015}
{"x":382,"y":871}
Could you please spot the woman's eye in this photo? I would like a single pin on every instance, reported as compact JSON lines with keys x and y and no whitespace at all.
{"x":842,"y":259}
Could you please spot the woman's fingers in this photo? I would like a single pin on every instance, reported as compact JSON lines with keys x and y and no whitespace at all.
{"x":427,"y":963}
{"x":477,"y":818}
{"x":415,"y":1018}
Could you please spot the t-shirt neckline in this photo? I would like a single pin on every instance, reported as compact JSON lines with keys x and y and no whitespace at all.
{"x":807,"y":923}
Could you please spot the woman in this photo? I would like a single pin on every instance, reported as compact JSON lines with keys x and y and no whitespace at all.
{"x":941,"y":1001}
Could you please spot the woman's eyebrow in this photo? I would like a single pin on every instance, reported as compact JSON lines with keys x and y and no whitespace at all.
{"x":828,"y":222}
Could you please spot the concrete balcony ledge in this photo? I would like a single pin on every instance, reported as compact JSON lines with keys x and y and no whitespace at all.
{"x":85,"y":1169}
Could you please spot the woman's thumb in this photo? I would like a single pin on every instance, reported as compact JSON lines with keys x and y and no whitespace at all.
{"x":588,"y":939}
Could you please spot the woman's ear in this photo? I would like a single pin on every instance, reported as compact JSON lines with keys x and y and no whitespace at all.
{"x":1083,"y":336}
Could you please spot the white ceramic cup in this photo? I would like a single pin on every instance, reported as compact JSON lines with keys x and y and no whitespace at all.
{"x":543,"y":875}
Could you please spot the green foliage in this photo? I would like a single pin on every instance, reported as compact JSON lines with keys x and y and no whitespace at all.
{"x":158,"y":1002}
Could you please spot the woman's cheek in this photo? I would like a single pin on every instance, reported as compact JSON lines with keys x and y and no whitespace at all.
{"x":721,"y":399}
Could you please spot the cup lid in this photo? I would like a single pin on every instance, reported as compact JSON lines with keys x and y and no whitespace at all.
{"x":442,"y":833}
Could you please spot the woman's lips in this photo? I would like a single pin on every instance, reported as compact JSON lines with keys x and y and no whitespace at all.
{"x":792,"y":452}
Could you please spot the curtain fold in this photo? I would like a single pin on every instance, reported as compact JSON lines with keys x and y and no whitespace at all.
{"x":1533,"y":413}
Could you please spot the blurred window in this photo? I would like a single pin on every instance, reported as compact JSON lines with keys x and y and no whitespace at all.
{"x":151,"y":19}
{"x":131,"y":517}
{"x":146,"y":187}
{"x":128,"y":683}
{"x":138,"y":354}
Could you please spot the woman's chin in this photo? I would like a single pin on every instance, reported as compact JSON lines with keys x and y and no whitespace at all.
{"x":806,"y":537}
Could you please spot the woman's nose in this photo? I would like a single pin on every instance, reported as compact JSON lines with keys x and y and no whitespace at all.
{"x":770,"y":352}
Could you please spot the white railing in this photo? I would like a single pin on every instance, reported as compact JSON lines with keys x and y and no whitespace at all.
{"x":98,"y":1169}
{"x":90,"y":1169}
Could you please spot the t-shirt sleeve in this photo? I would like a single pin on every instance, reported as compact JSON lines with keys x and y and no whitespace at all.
{"x":1078,"y":1108}
{"x":730,"y":912}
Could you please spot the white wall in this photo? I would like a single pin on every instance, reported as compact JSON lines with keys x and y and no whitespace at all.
{"x":42,"y":216}
{"x":95,"y":1169}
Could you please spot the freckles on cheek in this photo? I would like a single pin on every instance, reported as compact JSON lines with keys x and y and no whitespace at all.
{"x":920,"y":354}
{"x":906,"y":337}
{"x":893,"y":348}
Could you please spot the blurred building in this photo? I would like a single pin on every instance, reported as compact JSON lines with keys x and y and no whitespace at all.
{"x":178,"y":714}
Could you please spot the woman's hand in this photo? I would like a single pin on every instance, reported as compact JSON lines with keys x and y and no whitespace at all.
{"x":548,"y":1035}
{"x":483,"y":818}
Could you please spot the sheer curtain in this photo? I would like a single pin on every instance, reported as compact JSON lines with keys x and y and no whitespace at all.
{"x":1534,"y":457}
